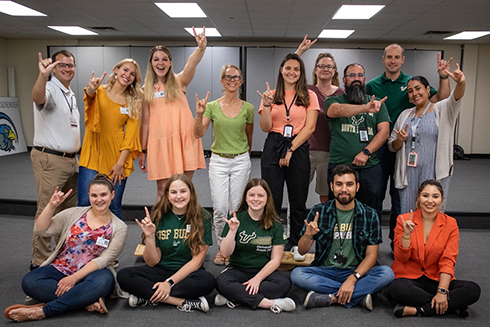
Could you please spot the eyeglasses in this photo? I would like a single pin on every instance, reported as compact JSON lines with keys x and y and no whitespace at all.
{"x":353,"y":75}
{"x":62,"y":65}
{"x":322,"y":67}
{"x":232,"y":77}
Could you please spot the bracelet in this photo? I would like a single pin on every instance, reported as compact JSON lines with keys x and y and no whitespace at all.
{"x":406,"y":238}
{"x":266,"y":106}
{"x":444,"y":77}
{"x":144,"y":151}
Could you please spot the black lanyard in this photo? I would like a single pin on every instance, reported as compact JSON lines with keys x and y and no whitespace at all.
{"x":341,"y":240}
{"x":70,"y":105}
{"x":288,"y":109}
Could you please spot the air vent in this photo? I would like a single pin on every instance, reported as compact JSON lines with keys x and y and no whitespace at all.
{"x":103,"y":28}
{"x":438,"y":32}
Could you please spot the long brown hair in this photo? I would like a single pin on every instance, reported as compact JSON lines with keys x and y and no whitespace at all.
{"x":270,"y":215}
{"x":431,"y":182}
{"x":301,"y":87}
{"x":335,"y":77}
{"x":193,"y":216}
{"x":132,"y":93}
{"x":172,"y":89}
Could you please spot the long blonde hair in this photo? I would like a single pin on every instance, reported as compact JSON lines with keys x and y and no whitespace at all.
{"x":193,"y":216}
{"x":132,"y":93}
{"x":172,"y":87}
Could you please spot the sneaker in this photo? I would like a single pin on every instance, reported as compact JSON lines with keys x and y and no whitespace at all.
{"x":134,"y":302}
{"x":314,"y":300}
{"x":220,"y":300}
{"x":199,"y":304}
{"x":285,"y":304}
{"x":297,"y":256}
{"x":367,"y":302}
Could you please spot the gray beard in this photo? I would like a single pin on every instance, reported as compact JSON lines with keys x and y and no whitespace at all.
{"x":355,"y":94}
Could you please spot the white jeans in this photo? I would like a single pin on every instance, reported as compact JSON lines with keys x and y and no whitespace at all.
{"x":227,"y":179}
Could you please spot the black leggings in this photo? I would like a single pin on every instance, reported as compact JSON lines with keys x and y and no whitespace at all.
{"x":419,"y":293}
{"x":230,"y":285}
{"x":139,"y":281}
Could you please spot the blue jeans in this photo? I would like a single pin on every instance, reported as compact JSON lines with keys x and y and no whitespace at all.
{"x":327,"y":280}
{"x":387,"y":161}
{"x":85,"y":176}
{"x":41,"y":285}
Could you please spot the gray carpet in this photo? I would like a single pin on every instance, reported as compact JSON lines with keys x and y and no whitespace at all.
{"x":15,"y":236}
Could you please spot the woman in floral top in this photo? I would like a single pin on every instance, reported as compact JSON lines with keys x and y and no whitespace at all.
{"x":78,"y":272}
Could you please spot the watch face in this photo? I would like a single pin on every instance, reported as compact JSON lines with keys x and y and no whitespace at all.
{"x":366,"y":152}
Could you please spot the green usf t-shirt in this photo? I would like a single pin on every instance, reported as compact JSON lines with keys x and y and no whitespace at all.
{"x":171,"y":238}
{"x":345,"y":143}
{"x":253,"y":244}
{"x":342,"y":235}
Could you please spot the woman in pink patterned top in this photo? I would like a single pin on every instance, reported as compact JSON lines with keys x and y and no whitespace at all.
{"x":78,"y":274}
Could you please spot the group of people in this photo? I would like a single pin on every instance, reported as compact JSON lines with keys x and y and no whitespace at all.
{"x":322,"y":128}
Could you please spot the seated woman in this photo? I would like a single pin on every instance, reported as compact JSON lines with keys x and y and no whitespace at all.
{"x":78,"y":272}
{"x":426,"y":247}
{"x":178,"y":234}
{"x":254,"y":239}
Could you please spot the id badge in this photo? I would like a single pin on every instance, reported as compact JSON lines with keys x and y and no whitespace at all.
{"x":288,"y":130}
{"x":73,"y":121}
{"x":102,"y":242}
{"x":363,"y":134}
{"x":124,"y":110}
{"x":188,"y":228}
{"x":160,"y":94}
{"x":412,"y":159}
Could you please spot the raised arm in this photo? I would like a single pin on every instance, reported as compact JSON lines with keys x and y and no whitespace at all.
{"x":44,"y":220}
{"x":201,"y":123}
{"x":228,"y":242}
{"x":39,"y":90}
{"x":444,"y":88}
{"x":460,"y":80}
{"x":304,"y":45}
{"x":265,"y":117}
{"x":187,"y":74}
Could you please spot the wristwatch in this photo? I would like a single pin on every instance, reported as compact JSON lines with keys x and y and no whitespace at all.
{"x":170,"y":282}
{"x":366,"y":151}
{"x":357,"y":275}
{"x":442,"y":290}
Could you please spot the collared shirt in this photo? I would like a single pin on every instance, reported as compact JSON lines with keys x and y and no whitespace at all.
{"x":366,"y":229}
{"x":54,"y":122}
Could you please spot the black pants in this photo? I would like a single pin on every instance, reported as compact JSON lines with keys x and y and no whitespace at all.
{"x":139,"y":281}
{"x":419,"y":293}
{"x":296,"y":176}
{"x":230,"y":284}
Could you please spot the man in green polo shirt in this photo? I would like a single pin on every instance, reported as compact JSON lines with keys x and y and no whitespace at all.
{"x":393,"y":84}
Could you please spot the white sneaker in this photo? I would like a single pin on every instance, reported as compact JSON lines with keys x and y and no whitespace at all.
{"x":220,"y":300}
{"x":285,"y":304}
{"x":297,"y":256}
{"x":135,"y":302}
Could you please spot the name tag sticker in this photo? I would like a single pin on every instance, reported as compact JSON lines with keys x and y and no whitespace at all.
{"x":160,"y":94}
{"x":124,"y":110}
{"x":102,"y":242}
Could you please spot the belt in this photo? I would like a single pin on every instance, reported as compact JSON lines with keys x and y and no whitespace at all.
{"x":56,"y":153}
{"x":229,"y":155}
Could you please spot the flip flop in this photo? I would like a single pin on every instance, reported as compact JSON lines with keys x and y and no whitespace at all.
{"x":6,"y":312}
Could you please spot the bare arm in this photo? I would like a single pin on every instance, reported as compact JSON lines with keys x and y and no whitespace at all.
{"x":39,"y":90}
{"x":337,"y":110}
{"x":201,"y":123}
{"x":444,"y":89}
{"x":306,"y":241}
{"x":249,"y":130}
{"x":228,"y":242}
{"x":187,"y":74}
{"x":44,"y":220}
{"x":253,"y":285}
{"x":265,"y":116}
{"x":304,"y":45}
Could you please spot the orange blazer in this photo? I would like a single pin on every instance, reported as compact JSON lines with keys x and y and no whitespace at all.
{"x":437,"y":256}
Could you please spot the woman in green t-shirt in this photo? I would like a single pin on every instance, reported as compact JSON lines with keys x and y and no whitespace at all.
{"x":178,"y":234}
{"x":254,"y":239}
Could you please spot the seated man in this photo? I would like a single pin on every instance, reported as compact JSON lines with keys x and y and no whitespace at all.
{"x":347,"y":235}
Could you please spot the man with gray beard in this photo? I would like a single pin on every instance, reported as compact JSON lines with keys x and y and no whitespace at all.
{"x":359,"y":125}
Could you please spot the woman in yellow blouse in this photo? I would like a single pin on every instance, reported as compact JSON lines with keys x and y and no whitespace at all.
{"x":111,"y":141}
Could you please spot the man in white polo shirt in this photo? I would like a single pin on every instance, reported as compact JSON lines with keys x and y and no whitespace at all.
{"x":56,"y":139}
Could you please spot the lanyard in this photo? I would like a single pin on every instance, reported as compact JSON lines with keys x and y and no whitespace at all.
{"x":70,"y":105}
{"x":416,"y":124}
{"x":288,"y":109}
{"x":342,"y":240}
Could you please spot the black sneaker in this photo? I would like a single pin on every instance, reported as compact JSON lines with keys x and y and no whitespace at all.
{"x":314,"y":300}
{"x":191,"y":305}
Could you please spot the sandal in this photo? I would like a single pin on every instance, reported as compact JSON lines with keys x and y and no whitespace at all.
{"x":98,"y":306}
{"x":30,"y":314}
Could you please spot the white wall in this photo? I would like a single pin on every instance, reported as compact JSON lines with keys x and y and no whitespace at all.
{"x":472,"y":130}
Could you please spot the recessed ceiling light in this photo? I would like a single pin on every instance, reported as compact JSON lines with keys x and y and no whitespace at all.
{"x":467,"y":35}
{"x":181,"y":9}
{"x":357,"y":11}
{"x":73,"y":30}
{"x":335,"y":34}
{"x":210,"y":31}
{"x":14,"y":9}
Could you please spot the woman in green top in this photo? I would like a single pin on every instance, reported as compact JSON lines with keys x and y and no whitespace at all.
{"x":229,"y":166}
{"x":254,"y":239}
{"x":178,"y":234}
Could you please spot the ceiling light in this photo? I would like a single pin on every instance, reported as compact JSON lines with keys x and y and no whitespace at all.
{"x":467,"y":35}
{"x":335,"y":34}
{"x":357,"y":11}
{"x":181,"y":9}
{"x":210,"y":31}
{"x":14,"y":9}
{"x":73,"y":30}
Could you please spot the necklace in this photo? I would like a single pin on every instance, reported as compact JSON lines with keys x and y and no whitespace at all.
{"x":179,"y":217}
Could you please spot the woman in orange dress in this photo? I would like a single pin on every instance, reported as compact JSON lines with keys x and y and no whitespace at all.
{"x":167,"y":124}
{"x":111,"y":141}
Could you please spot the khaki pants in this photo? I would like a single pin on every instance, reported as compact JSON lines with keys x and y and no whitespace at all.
{"x":50,"y":171}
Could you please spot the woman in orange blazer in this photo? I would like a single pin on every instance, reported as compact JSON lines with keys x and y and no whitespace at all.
{"x":426,"y":248}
